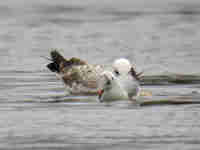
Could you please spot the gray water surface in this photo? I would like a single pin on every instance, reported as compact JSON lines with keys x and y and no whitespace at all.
{"x":160,"y":38}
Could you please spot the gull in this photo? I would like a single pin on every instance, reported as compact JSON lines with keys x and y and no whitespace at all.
{"x":127,"y":76}
{"x":123,"y":84}
{"x":78,"y":76}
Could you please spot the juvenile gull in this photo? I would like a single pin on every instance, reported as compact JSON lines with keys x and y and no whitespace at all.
{"x":78,"y":76}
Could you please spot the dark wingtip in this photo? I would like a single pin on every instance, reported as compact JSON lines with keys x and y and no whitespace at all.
{"x":59,"y":62}
{"x":134,"y":74}
{"x":57,"y":57}
{"x":53,"y":67}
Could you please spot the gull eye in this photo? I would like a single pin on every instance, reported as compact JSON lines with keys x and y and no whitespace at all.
{"x":116,"y":72}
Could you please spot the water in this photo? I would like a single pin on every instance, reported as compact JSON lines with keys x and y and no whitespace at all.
{"x":161,"y":38}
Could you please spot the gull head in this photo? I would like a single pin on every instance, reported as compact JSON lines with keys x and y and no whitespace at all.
{"x":121,"y":66}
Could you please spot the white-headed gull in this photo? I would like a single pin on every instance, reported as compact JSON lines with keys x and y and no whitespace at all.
{"x":123,"y":84}
{"x":127,"y":76}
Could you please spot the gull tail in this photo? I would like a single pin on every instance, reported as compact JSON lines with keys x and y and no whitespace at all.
{"x":57,"y":59}
{"x":135,"y":74}
{"x":59,"y":62}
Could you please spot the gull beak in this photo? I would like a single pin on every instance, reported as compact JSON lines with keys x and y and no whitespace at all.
{"x":100,"y":93}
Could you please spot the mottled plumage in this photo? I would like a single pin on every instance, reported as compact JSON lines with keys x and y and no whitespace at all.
{"x":78,"y":76}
